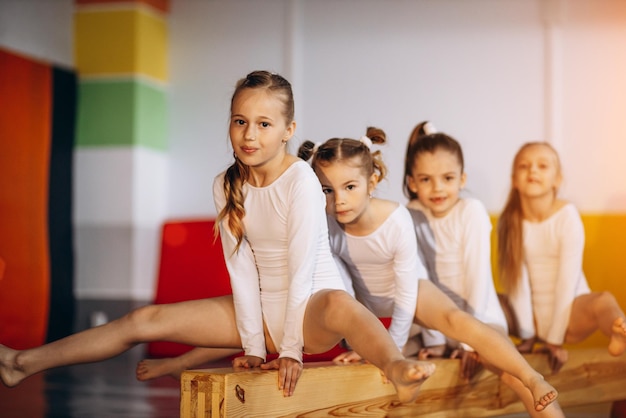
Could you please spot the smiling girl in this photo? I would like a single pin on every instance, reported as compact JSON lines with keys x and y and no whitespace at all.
{"x":454,"y":236}
{"x":541,"y":241}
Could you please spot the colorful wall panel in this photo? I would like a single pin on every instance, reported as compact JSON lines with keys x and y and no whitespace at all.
{"x":37,"y":113}
{"x":121,"y":148}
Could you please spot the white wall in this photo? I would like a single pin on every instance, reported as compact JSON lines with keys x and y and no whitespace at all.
{"x":41,"y":29}
{"x":492,"y":73}
{"x":593,"y":102}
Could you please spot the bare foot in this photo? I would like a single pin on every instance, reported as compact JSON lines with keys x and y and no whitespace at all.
{"x":10,"y":374}
{"x":407,"y":376}
{"x":543,"y":393}
{"x":617,"y":343}
{"x":152,"y":368}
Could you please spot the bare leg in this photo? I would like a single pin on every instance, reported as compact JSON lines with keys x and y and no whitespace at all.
{"x":174,"y":366}
{"x":598,"y":310}
{"x":332,"y":315}
{"x":435,"y":310}
{"x":205,"y":322}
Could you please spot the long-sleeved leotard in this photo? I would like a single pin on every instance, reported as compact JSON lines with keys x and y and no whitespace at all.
{"x":384,"y":269}
{"x":552,"y":275}
{"x":284,"y":258}
{"x":456,"y":250}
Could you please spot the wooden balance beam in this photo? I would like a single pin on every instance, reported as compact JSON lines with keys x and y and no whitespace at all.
{"x":325,"y":389}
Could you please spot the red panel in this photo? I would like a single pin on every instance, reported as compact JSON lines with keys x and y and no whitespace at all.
{"x":25,"y":122}
{"x":161,"y":5}
{"x":191,"y":267}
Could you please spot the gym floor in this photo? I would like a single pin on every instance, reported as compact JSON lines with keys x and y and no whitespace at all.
{"x":100,"y":390}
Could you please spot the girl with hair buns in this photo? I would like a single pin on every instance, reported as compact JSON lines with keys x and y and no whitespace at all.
{"x":370,"y":237}
{"x":288,"y":295}
{"x":541,"y":240}
{"x":454,"y":238}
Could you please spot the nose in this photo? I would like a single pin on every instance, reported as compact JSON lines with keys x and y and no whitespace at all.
{"x":250,"y":134}
{"x":338,"y":198}
{"x":437,"y":184}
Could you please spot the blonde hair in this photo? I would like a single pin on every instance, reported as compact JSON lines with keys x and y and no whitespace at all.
{"x":510,"y":227}
{"x":237,"y":174}
{"x":342,"y":149}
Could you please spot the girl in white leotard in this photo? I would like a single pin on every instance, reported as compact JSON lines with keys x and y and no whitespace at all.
{"x":454,"y":237}
{"x":540,"y":249}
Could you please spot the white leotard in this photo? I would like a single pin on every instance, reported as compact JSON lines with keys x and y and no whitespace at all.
{"x":384,"y":268}
{"x":456,"y":250}
{"x":552,"y":275}
{"x":284,"y":258}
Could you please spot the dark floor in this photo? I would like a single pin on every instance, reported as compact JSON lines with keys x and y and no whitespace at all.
{"x":101,"y":390}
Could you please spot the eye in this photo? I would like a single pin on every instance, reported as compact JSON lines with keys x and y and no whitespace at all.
{"x":239,"y":122}
{"x":327,"y":190}
{"x":450,"y":178}
{"x":265,"y":124}
{"x":424,"y":180}
{"x":350,"y":187}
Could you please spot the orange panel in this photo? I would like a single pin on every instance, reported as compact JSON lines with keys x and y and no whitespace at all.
{"x":25,"y":118}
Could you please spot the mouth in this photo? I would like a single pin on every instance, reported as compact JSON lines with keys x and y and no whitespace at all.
{"x":438,"y":200}
{"x":248,"y":150}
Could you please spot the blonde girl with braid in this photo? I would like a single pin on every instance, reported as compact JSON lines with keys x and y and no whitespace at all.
{"x":288,"y":295}
{"x":375,"y":240}
{"x":541,"y":240}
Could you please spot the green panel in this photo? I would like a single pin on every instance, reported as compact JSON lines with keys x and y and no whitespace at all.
{"x":105,"y":113}
{"x":119,"y":113}
{"x":151,"y":129}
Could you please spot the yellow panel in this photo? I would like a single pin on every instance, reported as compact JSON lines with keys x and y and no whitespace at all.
{"x":120,"y":42}
{"x":151,"y":56}
{"x":604,"y":262}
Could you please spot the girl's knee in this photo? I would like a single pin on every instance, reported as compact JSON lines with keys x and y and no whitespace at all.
{"x":143,"y":315}
{"x":337,"y":301}
{"x":609,"y":297}
{"x":605,"y":300}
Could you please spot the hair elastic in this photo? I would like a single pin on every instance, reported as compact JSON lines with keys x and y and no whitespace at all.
{"x":366,"y":140}
{"x":316,"y":146}
{"x":429,"y":128}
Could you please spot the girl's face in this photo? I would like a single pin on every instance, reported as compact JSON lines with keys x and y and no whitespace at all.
{"x":437,"y":180}
{"x":258,"y":129}
{"x":536,"y":171}
{"x":347,"y":190}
